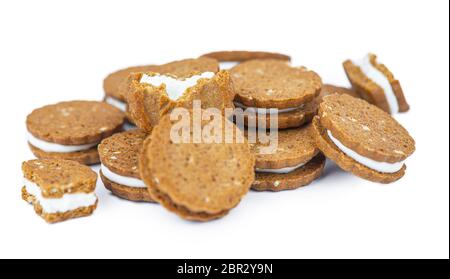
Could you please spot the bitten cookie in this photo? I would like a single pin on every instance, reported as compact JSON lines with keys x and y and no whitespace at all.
{"x":72,"y":130}
{"x":376,"y":84}
{"x":195,"y":179}
{"x":119,"y":155}
{"x":295,"y":161}
{"x":59,"y":189}
{"x":229,"y":59}
{"x":154,"y":94}
{"x":362,"y":138}
{"x":262,"y":86}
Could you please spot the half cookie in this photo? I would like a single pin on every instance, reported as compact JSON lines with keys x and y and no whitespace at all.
{"x":119,"y":155}
{"x":59,"y":189}
{"x":229,"y":59}
{"x":294,"y":162}
{"x":376,"y":84}
{"x":197,"y":174}
{"x":269,"y":88}
{"x":72,"y":130}
{"x":362,"y":138}
{"x":154,"y":94}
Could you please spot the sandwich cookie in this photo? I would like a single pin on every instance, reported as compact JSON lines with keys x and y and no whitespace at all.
{"x":154,"y":94}
{"x":362,"y":139}
{"x":113,"y":85}
{"x":229,"y":59}
{"x":267,"y":87}
{"x":294,"y":163}
{"x":119,"y":156}
{"x":72,"y":130}
{"x":328,"y":89}
{"x":376,"y":84}
{"x":197,"y":181}
{"x":59,"y":189}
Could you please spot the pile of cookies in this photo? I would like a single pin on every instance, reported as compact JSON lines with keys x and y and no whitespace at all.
{"x":130,"y":133}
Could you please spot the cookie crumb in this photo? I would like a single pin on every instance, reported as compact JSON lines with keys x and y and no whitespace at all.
{"x":270,"y":92}
{"x":259,"y":71}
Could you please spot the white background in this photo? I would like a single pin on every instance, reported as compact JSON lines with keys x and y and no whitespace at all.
{"x":55,"y":50}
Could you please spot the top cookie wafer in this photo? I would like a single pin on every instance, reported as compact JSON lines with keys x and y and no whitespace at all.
{"x":366,"y":129}
{"x":185,"y":68}
{"x":274,"y":84}
{"x":240,"y":55}
{"x":294,"y":147}
{"x":120,"y":152}
{"x":75,"y":122}
{"x":198,"y":181}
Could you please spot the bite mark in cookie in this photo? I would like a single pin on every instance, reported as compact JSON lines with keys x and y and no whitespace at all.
{"x":174,"y":87}
{"x":153,"y":95}
{"x":59,"y":189}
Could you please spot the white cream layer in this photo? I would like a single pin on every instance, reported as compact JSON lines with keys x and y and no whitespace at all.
{"x":372,"y":164}
{"x":66,"y":203}
{"x":116,"y":103}
{"x":174,"y":87}
{"x":128,"y":126}
{"x":265,"y":110}
{"x":122,"y":180}
{"x":56,"y":147}
{"x":226,"y":65}
{"x":282,"y":170}
{"x":380,"y":79}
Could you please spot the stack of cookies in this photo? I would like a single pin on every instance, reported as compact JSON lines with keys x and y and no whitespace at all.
{"x":180,"y":153}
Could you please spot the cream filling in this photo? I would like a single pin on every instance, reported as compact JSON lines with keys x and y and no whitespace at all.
{"x":128,"y":126}
{"x":226,"y":65}
{"x":282,"y":170}
{"x":116,"y":103}
{"x":372,"y":164}
{"x":66,"y":203}
{"x":265,"y":110}
{"x":175,"y":87}
{"x":122,"y":180}
{"x":55,"y":147}
{"x":380,"y":79}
